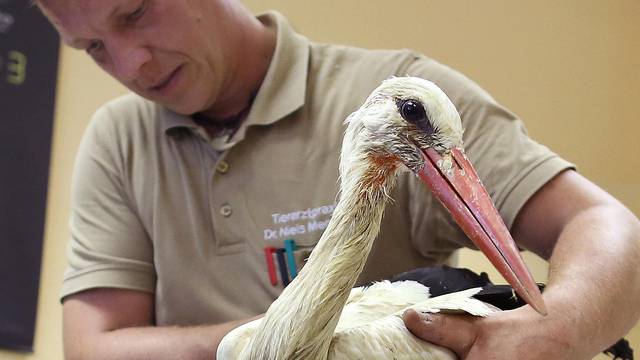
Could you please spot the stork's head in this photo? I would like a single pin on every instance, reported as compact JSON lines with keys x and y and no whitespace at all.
{"x":411,"y":121}
{"x":402,"y":117}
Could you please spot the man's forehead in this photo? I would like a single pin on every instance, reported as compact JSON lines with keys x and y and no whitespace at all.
{"x":79,"y":16}
{"x":56,"y":7}
{"x":60,"y":10}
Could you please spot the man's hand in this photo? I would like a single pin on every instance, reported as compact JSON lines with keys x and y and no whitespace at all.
{"x":517,"y":334}
{"x":592,"y":243}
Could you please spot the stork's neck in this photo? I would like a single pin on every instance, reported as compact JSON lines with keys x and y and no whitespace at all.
{"x":301,"y":322}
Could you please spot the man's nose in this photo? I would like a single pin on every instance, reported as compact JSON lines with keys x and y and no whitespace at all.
{"x":128,"y":57}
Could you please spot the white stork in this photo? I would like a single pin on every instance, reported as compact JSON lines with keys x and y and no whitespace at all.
{"x":406,"y":121}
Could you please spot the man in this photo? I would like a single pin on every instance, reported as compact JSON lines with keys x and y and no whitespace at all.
{"x":176,"y":196}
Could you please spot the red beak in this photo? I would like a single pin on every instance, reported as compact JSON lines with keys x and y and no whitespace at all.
{"x":459,"y":189}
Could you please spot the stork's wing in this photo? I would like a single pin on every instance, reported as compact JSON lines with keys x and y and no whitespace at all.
{"x":388,"y":338}
{"x":384,"y":339}
{"x":371,"y":325}
{"x":381,"y":299}
{"x":461,"y":301}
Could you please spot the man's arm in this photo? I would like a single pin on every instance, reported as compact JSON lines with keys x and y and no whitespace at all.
{"x":118,"y":324}
{"x":593,"y":276}
{"x":592,"y":242}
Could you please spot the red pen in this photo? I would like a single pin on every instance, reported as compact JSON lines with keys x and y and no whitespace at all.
{"x":268,"y":254}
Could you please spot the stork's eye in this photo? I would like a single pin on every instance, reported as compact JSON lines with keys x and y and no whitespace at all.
{"x":412,"y":111}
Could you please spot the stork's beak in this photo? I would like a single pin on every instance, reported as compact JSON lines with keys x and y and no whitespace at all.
{"x":456,"y":184}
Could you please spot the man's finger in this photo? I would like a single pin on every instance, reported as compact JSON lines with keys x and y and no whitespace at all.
{"x":455,"y":332}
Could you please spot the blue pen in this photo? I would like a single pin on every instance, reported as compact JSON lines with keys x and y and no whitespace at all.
{"x":282,"y":266}
{"x":290,"y":247}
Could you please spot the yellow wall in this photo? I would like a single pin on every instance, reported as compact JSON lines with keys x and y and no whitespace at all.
{"x":569,"y":68}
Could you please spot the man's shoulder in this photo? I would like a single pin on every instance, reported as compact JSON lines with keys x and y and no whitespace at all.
{"x":343,"y":76}
{"x":363,"y":59}
{"x":366,"y":68}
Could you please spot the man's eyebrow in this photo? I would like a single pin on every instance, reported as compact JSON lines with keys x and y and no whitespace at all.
{"x":115,"y":12}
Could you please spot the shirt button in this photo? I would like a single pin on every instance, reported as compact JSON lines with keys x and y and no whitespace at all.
{"x":222,"y":167}
{"x":226,"y":210}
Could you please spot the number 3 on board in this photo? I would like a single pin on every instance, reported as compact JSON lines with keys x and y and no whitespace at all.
{"x":17,"y":68}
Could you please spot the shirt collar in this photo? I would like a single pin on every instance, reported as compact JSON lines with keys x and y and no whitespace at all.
{"x":284,"y":87}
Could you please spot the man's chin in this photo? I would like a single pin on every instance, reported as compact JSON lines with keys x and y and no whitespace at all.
{"x":180,"y":103}
{"x":179,"y":107}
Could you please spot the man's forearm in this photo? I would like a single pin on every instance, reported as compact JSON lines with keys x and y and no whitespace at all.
{"x":157,"y":343}
{"x":593,"y":285}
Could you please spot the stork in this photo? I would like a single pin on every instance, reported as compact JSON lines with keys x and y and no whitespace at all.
{"x":406,"y":123}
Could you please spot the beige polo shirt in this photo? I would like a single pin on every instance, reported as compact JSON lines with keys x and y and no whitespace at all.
{"x":160,"y":207}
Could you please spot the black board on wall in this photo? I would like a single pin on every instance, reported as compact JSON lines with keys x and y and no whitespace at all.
{"x":28,"y":68}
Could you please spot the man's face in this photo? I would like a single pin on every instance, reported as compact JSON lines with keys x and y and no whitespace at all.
{"x":179,"y":53}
